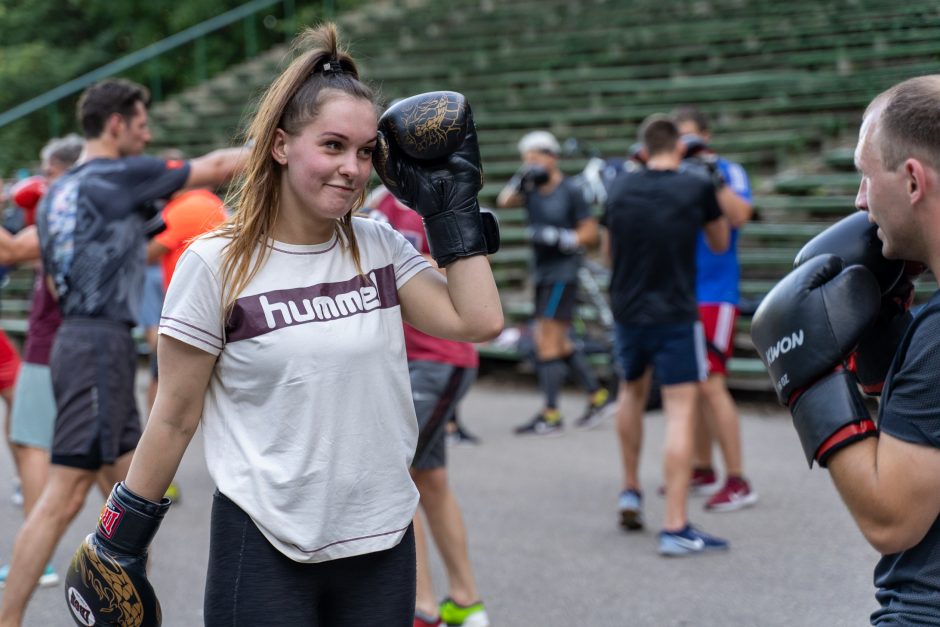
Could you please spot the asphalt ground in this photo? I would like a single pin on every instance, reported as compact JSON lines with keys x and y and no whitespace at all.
{"x":544,"y":540}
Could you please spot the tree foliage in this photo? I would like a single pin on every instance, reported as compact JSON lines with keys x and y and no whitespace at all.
{"x":49,"y":42}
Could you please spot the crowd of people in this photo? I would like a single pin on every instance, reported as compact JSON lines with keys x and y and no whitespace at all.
{"x":262,"y":316}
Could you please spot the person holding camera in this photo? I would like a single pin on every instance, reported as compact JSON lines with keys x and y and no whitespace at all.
{"x":560,"y":227}
{"x":718,"y":294}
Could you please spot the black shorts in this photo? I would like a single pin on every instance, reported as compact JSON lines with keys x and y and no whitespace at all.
{"x":556,"y":300}
{"x":93,"y":363}
{"x":251,"y":583}
{"x":436,"y":389}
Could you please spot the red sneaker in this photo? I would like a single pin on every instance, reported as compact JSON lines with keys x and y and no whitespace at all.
{"x":736,"y":494}
{"x":423,"y":621}
{"x":704,"y":482}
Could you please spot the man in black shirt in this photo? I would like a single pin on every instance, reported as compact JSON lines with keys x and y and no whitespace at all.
{"x":561,"y":225}
{"x":653,"y":217}
{"x":889,"y":475}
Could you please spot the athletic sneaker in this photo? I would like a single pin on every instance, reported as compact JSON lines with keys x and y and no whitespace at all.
{"x":704,"y":482}
{"x":423,"y":620}
{"x":462,"y":437}
{"x":46,"y":579}
{"x":688,"y":541}
{"x":16,"y":497}
{"x":595,"y":410}
{"x":455,"y":615}
{"x":173,"y":493}
{"x":630,"y":506}
{"x":539,"y":425}
{"x":736,"y":494}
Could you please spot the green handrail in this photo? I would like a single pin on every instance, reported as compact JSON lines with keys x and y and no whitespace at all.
{"x":148,"y":53}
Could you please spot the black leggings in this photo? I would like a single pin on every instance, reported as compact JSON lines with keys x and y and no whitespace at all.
{"x":250,"y":583}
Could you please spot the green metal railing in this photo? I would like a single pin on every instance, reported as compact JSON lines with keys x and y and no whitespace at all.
{"x":247,"y":13}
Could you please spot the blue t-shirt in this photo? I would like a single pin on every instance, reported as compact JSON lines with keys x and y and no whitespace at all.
{"x":909,"y":582}
{"x":719,"y":273}
{"x":91,"y":233}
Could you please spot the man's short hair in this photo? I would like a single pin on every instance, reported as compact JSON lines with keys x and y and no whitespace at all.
{"x":63,"y":150}
{"x":659,"y":134}
{"x":909,"y":124}
{"x":688,"y":113}
{"x":102,"y":100}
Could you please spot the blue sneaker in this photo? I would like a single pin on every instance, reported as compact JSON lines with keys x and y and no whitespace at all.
{"x":689,"y":541}
{"x":46,"y":579}
{"x":630,"y":505}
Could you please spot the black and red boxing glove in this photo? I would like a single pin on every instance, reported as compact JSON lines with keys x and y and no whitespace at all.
{"x":875,"y":353}
{"x":804,"y":329}
{"x":106,"y":583}
{"x":428,"y":157}
{"x":855,"y":239}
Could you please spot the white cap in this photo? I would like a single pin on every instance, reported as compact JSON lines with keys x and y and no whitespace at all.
{"x":541,"y":141}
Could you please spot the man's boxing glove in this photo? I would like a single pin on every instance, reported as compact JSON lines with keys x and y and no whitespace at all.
{"x":106,"y":583}
{"x":875,"y":353}
{"x":528,"y":178}
{"x":855,"y":239}
{"x":565,"y":240}
{"x":152,"y":213}
{"x":803,"y":330}
{"x":26,"y":195}
{"x":427,"y":155}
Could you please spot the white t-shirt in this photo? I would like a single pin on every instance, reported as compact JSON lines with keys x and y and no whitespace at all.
{"x":308,"y":422}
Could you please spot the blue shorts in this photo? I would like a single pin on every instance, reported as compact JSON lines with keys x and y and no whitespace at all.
{"x":677,"y":351}
{"x":151,"y":306}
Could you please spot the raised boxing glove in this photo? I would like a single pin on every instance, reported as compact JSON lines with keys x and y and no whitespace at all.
{"x":427,"y":155}
{"x":803,"y":330}
{"x":106,"y":583}
{"x":26,"y":195}
{"x":855,"y":239}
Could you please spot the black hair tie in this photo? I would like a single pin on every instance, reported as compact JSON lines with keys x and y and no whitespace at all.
{"x":333,"y":66}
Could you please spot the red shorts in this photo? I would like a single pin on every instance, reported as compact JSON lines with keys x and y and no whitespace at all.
{"x":9,"y":362}
{"x":719,"y":322}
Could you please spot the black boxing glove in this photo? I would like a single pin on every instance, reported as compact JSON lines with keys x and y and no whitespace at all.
{"x":152,"y":213}
{"x":565,"y":240}
{"x":803,"y":330}
{"x":106,"y":583}
{"x":855,"y":239}
{"x":527,"y":178}
{"x":428,"y":157}
{"x":700,"y":160}
{"x":872,"y":359}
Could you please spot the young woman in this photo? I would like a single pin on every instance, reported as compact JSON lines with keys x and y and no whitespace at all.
{"x":282,"y":332}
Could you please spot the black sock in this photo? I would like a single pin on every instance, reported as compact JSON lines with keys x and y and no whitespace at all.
{"x":551,"y":377}
{"x":582,"y":371}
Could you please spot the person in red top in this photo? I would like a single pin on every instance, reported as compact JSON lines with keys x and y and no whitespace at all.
{"x":441,"y":373}
{"x":188,"y":215}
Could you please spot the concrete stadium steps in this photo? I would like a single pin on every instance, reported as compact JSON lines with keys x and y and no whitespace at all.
{"x":784,"y":85}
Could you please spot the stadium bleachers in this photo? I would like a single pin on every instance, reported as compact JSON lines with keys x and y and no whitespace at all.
{"x":784,"y":84}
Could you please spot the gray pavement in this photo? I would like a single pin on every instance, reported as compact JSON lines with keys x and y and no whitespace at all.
{"x":544,"y":539}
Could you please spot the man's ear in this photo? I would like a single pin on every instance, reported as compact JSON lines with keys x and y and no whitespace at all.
{"x":113,"y":124}
{"x":916,"y":180}
{"x":279,"y":148}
